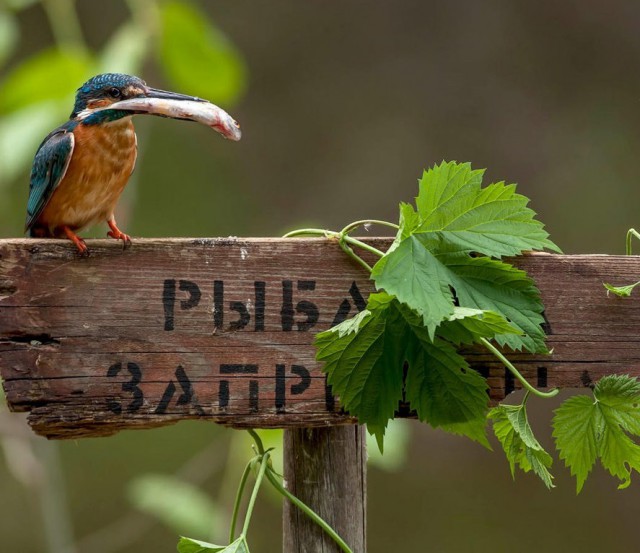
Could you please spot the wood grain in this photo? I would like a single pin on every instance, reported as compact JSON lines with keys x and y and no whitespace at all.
{"x":222,"y":329}
{"x":326,"y":469}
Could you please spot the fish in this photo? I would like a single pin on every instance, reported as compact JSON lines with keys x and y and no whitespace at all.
{"x":200,"y":111}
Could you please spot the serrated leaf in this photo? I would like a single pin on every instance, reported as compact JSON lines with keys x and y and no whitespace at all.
{"x":423,"y":281}
{"x":494,"y":221}
{"x":511,"y":427}
{"x":586,"y":429}
{"x":365,"y":364}
{"x":365,"y":367}
{"x":189,"y":545}
{"x":621,"y":291}
{"x":493,"y":285}
{"x":198,"y":57}
{"x":413,"y":275}
{"x":445,"y":391}
{"x":468,"y":325}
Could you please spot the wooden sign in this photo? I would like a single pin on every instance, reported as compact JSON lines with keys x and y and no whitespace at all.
{"x":222,"y":329}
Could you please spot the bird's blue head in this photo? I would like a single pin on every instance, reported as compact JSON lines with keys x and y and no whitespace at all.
{"x":101,"y":91}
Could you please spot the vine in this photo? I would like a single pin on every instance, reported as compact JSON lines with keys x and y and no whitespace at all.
{"x":443,"y":284}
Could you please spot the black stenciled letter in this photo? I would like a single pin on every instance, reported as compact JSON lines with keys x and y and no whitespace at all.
{"x":187,"y":395}
{"x":296,"y":389}
{"x":169,"y":299}
{"x":244,"y":317}
{"x":345,"y":306}
{"x":223,"y":390}
{"x":131,"y":386}
{"x":303,"y":307}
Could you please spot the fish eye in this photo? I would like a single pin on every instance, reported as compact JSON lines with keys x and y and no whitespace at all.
{"x":115,"y":92}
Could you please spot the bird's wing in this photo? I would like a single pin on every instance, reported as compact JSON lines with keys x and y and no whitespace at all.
{"x":49,"y":167}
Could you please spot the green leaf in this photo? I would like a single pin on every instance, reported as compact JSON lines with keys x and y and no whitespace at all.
{"x":467,"y":326}
{"x":511,"y":427}
{"x":423,"y":281}
{"x":177,"y":504}
{"x":492,"y":285}
{"x":189,"y":545}
{"x":197,"y":57}
{"x":51,"y":74}
{"x":413,"y":275}
{"x":586,"y":429}
{"x":365,"y":366}
{"x":621,"y":291}
{"x":494,"y":221}
{"x":445,"y":391}
{"x":366,"y":362}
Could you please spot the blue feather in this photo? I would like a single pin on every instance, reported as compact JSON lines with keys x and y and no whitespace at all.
{"x":49,"y":166}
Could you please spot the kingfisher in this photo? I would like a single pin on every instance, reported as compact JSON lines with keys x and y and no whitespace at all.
{"x":81,"y":168}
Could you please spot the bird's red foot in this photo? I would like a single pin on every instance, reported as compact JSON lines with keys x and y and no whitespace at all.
{"x":79,"y":242}
{"x":117,"y":234}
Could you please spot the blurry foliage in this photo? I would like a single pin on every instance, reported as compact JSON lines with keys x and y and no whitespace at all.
{"x":178,"y":504}
{"x":37,"y":92}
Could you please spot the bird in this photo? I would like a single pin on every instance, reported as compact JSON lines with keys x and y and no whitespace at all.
{"x":81,"y":168}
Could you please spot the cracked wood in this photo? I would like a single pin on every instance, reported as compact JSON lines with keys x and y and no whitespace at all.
{"x":222,"y":329}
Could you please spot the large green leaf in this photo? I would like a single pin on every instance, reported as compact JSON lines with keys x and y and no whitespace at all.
{"x":365,"y":364}
{"x":366,"y":359}
{"x":586,"y":429}
{"x":444,"y":390}
{"x":492,"y":285}
{"x":424,"y":280}
{"x":493,"y":221}
{"x":413,"y":275}
{"x":197,"y":57}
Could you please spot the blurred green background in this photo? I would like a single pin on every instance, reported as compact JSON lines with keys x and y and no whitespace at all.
{"x":342,"y":105}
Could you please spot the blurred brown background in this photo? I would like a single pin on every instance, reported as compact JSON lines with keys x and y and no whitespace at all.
{"x":345,"y":104}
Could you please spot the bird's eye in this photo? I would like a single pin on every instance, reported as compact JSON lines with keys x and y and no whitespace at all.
{"x":115,"y":92}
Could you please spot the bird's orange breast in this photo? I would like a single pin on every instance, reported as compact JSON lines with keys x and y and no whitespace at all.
{"x":102,"y":161}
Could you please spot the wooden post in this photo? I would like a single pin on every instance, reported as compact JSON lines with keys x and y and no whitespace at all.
{"x":327,"y":469}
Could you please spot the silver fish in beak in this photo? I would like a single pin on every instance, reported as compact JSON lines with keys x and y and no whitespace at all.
{"x":180,"y":106}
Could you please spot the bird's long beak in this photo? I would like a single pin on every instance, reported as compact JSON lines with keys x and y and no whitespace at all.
{"x":168,"y":95}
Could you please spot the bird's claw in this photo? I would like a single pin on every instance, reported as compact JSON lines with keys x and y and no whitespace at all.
{"x":83,"y":251}
{"x":117,"y":235}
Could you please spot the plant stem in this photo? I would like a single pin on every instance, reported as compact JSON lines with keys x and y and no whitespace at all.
{"x":630,"y":234}
{"x":264,"y":459}
{"x":236,"y":505}
{"x":515,"y":371}
{"x":360,"y":244}
{"x":353,"y":255}
{"x":363,"y":222}
{"x":257,"y":439}
{"x":312,"y":231}
{"x":308,"y":511}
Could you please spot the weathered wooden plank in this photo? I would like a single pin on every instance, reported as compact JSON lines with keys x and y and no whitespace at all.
{"x":222,"y":329}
